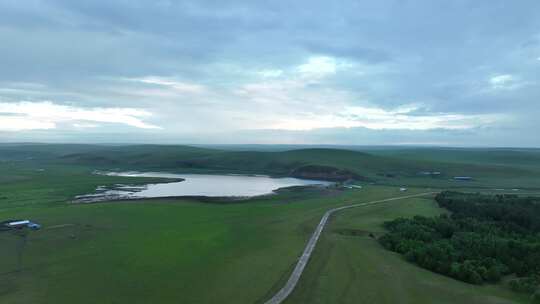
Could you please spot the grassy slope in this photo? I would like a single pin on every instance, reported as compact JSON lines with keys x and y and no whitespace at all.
{"x":356,"y":269}
{"x":489,"y":171}
{"x":515,"y":157}
{"x":42,"y":151}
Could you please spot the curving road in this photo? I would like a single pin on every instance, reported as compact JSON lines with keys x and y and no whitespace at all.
{"x":286,"y":290}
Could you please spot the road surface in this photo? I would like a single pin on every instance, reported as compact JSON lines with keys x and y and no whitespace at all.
{"x":286,"y":290}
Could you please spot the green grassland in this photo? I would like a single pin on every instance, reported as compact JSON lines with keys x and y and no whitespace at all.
{"x":493,"y":168}
{"x":160,"y":251}
{"x":350,"y":266}
{"x":24,"y":184}
{"x":495,"y":156}
{"x":179,"y":250}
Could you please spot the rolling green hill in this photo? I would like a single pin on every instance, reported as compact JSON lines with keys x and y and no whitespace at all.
{"x":495,"y":156}
{"x":488,"y":167}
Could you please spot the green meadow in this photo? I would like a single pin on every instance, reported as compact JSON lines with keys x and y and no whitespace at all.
{"x":350,"y":266}
{"x":189,"y":251}
{"x":161,"y":250}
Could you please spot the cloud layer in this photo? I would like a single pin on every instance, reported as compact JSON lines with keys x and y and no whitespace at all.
{"x":351,"y":72}
{"x":47,"y":115}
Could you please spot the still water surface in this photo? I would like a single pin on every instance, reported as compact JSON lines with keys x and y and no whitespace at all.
{"x":198,"y":185}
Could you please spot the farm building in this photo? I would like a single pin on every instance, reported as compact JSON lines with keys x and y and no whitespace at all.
{"x":430,"y":173}
{"x":353,"y":186}
{"x":19,"y":224}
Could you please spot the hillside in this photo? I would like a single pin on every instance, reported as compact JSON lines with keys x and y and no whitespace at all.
{"x":494,"y":156}
{"x":488,"y":167}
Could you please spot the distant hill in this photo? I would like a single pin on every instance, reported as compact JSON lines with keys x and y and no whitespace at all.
{"x":493,"y":156}
{"x":488,"y":168}
{"x":26,"y":151}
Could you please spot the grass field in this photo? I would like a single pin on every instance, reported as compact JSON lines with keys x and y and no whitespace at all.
{"x":349,"y":266}
{"x":502,"y":156}
{"x":170,"y":251}
{"x":28,"y":184}
{"x":177,"y":250}
{"x":158,"y":251}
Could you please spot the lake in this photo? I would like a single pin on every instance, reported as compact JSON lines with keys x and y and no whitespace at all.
{"x":196,"y":185}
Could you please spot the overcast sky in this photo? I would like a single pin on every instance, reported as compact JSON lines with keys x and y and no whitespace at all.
{"x":460,"y":73}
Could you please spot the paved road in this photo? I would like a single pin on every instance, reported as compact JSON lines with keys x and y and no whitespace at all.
{"x":284,"y":292}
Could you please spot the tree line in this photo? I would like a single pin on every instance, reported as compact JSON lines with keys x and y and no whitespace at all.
{"x":484,"y":238}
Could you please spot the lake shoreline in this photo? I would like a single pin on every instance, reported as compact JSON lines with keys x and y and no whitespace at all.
{"x":202,"y":187}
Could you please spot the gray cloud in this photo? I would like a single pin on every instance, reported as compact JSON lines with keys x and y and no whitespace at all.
{"x":465,"y":59}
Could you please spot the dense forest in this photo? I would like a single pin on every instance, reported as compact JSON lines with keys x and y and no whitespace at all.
{"x":485,"y":238}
